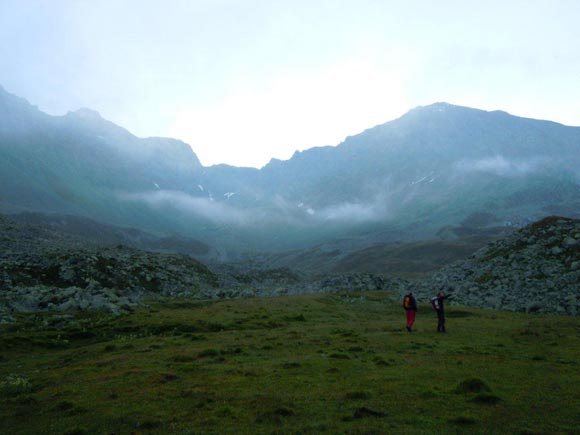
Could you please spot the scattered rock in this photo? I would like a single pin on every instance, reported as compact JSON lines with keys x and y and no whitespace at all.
{"x":536,"y":270}
{"x":43,"y":270}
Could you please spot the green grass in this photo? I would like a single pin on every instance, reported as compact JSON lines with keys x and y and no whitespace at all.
{"x":301,"y":364}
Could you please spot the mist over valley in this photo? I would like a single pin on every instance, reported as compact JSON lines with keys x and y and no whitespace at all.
{"x":406,"y":180}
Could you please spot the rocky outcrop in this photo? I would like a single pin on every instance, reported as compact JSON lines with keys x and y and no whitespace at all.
{"x":536,"y":269}
{"x":41,"y":269}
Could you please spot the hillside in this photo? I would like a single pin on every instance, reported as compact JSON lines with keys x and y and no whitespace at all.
{"x":49,"y":268}
{"x":411,"y":259}
{"x":105,"y":234}
{"x":42,"y":269}
{"x":536,"y":269}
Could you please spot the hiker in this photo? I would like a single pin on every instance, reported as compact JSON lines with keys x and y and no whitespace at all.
{"x":437,"y":303}
{"x":410,"y":306}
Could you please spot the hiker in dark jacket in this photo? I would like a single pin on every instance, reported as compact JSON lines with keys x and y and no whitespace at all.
{"x":438,"y":306}
{"x":410,"y":306}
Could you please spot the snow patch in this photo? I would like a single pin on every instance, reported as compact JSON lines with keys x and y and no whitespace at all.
{"x":429,"y":178}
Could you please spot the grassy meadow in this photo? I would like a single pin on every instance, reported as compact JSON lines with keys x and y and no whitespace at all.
{"x":325,"y":363}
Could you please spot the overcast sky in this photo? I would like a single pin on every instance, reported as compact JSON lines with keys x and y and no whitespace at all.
{"x":245,"y":81}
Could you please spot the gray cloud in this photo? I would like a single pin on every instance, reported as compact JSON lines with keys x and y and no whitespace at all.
{"x":499,"y":165}
{"x":281,"y":212}
{"x":214,"y":211}
{"x":350,"y":212}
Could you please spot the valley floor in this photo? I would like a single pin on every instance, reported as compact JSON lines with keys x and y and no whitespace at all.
{"x":324,"y":363}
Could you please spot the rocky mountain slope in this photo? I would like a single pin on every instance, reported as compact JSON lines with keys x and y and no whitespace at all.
{"x":536,"y":269}
{"x":43,"y":268}
{"x":404,"y":180}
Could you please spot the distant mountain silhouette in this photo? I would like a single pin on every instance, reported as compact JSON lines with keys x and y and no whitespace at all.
{"x":404,"y":180}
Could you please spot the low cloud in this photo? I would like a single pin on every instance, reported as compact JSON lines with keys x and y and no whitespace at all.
{"x":280,"y":212}
{"x":349,"y":212}
{"x":214,"y":211}
{"x":501,"y":166}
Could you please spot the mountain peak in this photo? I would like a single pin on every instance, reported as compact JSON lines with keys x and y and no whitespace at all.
{"x":86,"y":113}
{"x":440,"y":112}
{"x":441,"y":106}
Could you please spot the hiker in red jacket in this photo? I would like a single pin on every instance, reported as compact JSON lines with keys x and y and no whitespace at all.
{"x":410,"y":306}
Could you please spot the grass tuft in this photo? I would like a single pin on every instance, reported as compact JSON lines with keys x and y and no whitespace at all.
{"x":472,"y":385}
{"x":183,"y":358}
{"x":358,"y":395}
{"x":486,"y":399}
{"x":337,"y":355}
{"x":463,"y":420}
{"x":150,"y":424}
{"x":208,"y":353}
{"x":275,"y":416}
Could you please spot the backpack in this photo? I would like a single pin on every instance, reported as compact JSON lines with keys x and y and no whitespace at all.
{"x":435,"y":303}
{"x":407,"y":302}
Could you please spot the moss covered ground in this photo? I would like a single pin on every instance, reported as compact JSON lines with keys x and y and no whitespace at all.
{"x":340,"y":363}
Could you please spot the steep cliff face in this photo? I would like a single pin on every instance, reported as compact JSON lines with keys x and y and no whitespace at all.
{"x":536,"y":269}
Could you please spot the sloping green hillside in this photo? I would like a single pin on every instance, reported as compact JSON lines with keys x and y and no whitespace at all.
{"x":305,"y":364}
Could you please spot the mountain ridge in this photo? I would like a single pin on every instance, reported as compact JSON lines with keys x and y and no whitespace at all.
{"x":401,"y":180}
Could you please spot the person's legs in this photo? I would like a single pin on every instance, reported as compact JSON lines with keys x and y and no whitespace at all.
{"x":440,"y":321}
{"x":410,"y":319}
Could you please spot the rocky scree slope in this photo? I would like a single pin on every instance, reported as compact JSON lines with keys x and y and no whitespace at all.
{"x":536,"y":269}
{"x":41,"y":269}
{"x":44,"y":269}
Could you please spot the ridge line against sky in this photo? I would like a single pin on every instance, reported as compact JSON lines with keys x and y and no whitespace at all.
{"x":244,"y":82}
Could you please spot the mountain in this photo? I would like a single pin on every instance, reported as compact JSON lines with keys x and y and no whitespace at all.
{"x":422,"y":176}
{"x":435,"y":166}
{"x":80,"y":163}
